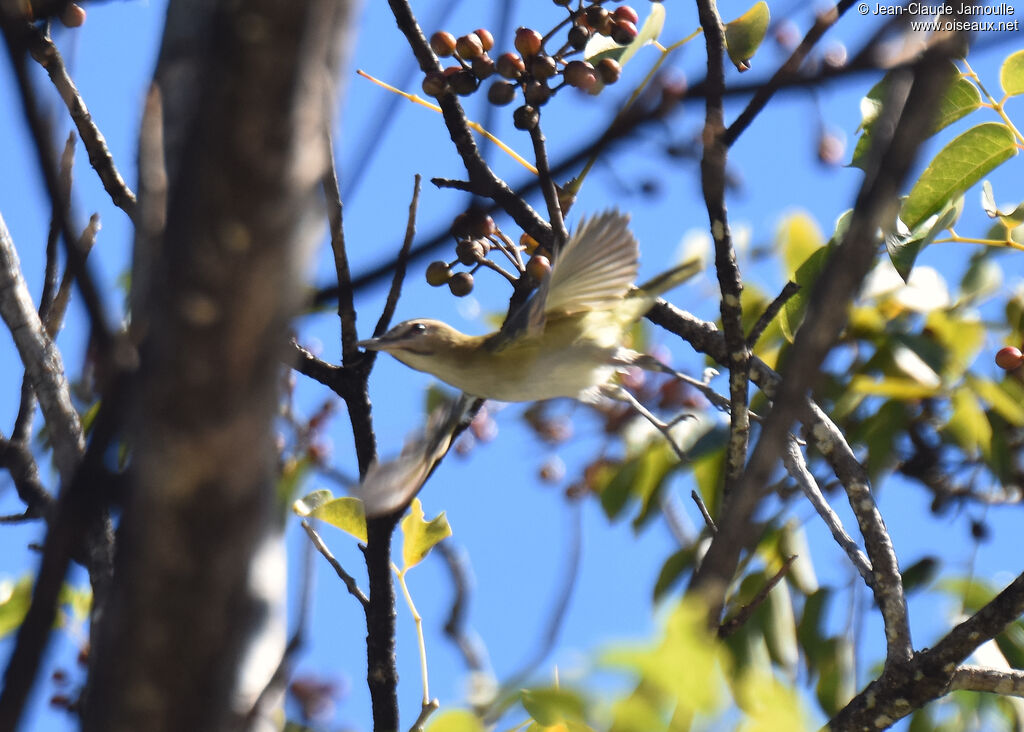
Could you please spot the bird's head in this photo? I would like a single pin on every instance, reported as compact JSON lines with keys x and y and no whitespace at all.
{"x":416,"y":340}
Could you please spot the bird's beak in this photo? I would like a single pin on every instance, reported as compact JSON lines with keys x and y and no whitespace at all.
{"x":371,"y":344}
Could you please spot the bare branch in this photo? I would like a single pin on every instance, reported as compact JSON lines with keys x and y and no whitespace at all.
{"x":790,"y":289}
{"x":350,"y":582}
{"x":797,"y":467}
{"x":403,"y":257}
{"x":736,"y":622}
{"x":46,"y":54}
{"x":42,"y":360}
{"x":1005,"y":682}
{"x":713,"y":175}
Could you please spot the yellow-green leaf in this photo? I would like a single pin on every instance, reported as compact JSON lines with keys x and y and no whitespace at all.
{"x":743,"y":35}
{"x":420,"y":536}
{"x":1011,"y":75}
{"x":969,"y":424}
{"x":14,"y":601}
{"x":456,"y":720}
{"x":958,"y":166}
{"x":798,"y":237}
{"x":551,"y":706}
{"x":893,"y":387}
{"x":345,"y":513}
{"x":1001,"y":402}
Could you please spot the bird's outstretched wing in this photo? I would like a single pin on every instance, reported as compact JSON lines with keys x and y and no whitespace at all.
{"x":594,"y":271}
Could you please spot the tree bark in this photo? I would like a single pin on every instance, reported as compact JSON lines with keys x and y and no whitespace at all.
{"x":247,"y":95}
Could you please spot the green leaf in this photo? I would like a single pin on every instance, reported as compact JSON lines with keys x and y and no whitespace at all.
{"x":551,"y":706}
{"x":961,"y":338}
{"x":14,"y":601}
{"x":1011,"y":75}
{"x":683,"y":665}
{"x":904,"y":245}
{"x":770,"y":704}
{"x":893,"y":387}
{"x":743,"y":35}
{"x":958,"y":166}
{"x":672,"y":570}
{"x":798,"y":237}
{"x":614,"y":485}
{"x":345,"y":513}
{"x":996,"y":396}
{"x":920,"y":574}
{"x":960,"y":99}
{"x":792,"y":313}
{"x":420,"y":536}
{"x":780,"y":628}
{"x":456,"y":720}
{"x":968,"y":425}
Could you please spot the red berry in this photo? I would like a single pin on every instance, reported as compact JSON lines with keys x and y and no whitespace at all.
{"x":435,"y":84}
{"x":578,"y":37}
{"x":609,"y":69}
{"x":443,"y":43}
{"x":537,"y":93}
{"x":525,"y":118}
{"x":543,"y":67}
{"x":461,"y":284}
{"x":1009,"y":358}
{"x":438,"y":274}
{"x":501,"y":93}
{"x":623,"y":32}
{"x":469,"y":46}
{"x":483,"y":66}
{"x":486,"y":39}
{"x":510,"y":65}
{"x":73,"y":16}
{"x":528,"y":41}
{"x":626,"y":13}
{"x":580,"y":74}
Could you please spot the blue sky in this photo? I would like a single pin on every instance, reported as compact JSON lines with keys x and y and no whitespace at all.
{"x":515,"y":529}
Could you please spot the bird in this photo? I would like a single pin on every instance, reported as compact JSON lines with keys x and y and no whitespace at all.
{"x":565,"y":341}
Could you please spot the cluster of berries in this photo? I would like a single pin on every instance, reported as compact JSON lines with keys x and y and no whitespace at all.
{"x":531,"y":69}
{"x":476,"y":236}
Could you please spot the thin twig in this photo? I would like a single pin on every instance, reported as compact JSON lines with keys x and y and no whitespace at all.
{"x":455,"y":626}
{"x":350,"y":583}
{"x":797,"y":467}
{"x":548,"y":188}
{"x":18,"y":37}
{"x":743,"y":615}
{"x":403,"y":258}
{"x":710,"y":522}
{"x":46,"y":54}
{"x":790,"y":289}
{"x":335,"y":218}
{"x":426,"y":710}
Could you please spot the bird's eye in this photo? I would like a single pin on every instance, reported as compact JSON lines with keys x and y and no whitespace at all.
{"x":418,"y":328}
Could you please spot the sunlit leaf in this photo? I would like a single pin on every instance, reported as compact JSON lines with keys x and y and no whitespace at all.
{"x":769,"y":704}
{"x":456,"y":720}
{"x":798,"y":237}
{"x":999,"y":399}
{"x":345,"y":513}
{"x":892,"y":387}
{"x":682,"y":665}
{"x":551,"y":706}
{"x":905,"y":245}
{"x":420,"y":536}
{"x":14,"y":601}
{"x":968,"y":425}
{"x":958,"y":166}
{"x":1011,"y":74}
{"x":792,"y":314}
{"x":743,"y":35}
